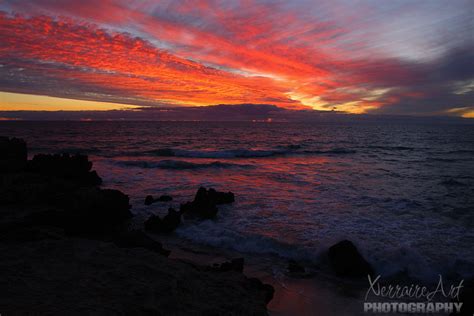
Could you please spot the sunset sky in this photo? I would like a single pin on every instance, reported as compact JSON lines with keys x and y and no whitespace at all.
{"x":372,"y":56}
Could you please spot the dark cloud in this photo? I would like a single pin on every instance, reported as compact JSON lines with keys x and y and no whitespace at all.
{"x":446,"y":83}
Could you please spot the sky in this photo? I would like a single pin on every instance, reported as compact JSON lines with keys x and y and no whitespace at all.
{"x":373,"y":56}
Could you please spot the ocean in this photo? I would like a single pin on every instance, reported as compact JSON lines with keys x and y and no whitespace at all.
{"x":402,"y":192}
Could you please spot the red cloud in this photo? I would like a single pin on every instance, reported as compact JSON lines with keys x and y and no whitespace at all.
{"x":201,"y":53}
{"x":88,"y":55}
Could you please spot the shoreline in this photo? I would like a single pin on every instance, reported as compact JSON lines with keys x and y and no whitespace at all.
{"x":317,"y":293}
{"x":67,"y":248}
{"x":40,"y":196}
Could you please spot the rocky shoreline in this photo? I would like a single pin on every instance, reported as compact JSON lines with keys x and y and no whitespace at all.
{"x":67,"y":249}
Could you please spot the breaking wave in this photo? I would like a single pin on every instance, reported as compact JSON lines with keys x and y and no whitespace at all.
{"x":180,"y":164}
{"x":244,"y":153}
{"x":387,"y":261}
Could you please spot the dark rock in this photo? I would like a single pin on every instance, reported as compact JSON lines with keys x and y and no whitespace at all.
{"x":233,"y":265}
{"x":76,"y":168}
{"x":201,"y":210}
{"x":97,"y":212}
{"x":42,"y":278}
{"x":92,"y":178}
{"x":149,"y":200}
{"x":20,"y":232}
{"x":295,"y":268}
{"x":267,"y":289}
{"x":165,"y":198}
{"x":221,"y":197}
{"x":55,"y":218}
{"x":22,"y":187}
{"x":154,"y":224}
{"x":204,"y":203}
{"x":138,"y":239}
{"x":172,"y":220}
{"x":13,"y":154}
{"x":346,"y":260}
{"x":166,"y":225}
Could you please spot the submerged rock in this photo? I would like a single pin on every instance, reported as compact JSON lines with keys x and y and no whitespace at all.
{"x":205,"y":203}
{"x":346,"y":260}
{"x":163,"y":198}
{"x":13,"y":154}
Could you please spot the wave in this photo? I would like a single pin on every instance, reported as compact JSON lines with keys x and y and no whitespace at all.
{"x":231,"y":153}
{"x":70,"y":150}
{"x":213,"y":234}
{"x":387,"y":261}
{"x":337,"y":151}
{"x":391,"y":147}
{"x":447,"y":160}
{"x":243,"y":153}
{"x":461,"y":151}
{"x":452,"y":182}
{"x":180,"y":164}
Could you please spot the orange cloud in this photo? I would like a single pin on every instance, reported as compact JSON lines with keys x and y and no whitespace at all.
{"x":151,"y":53}
{"x":88,"y":55}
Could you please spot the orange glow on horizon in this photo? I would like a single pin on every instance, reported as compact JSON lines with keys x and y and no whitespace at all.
{"x":28,"y":102}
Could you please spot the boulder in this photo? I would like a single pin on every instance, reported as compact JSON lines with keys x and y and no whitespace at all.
{"x":267,"y":289}
{"x":149,"y":200}
{"x":154,"y":224}
{"x":166,"y":225}
{"x":138,"y":239}
{"x":201,"y":210}
{"x":221,"y":197}
{"x":204,"y":203}
{"x":172,"y":220}
{"x":346,"y":260}
{"x":13,"y":154}
{"x":76,"y":168}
